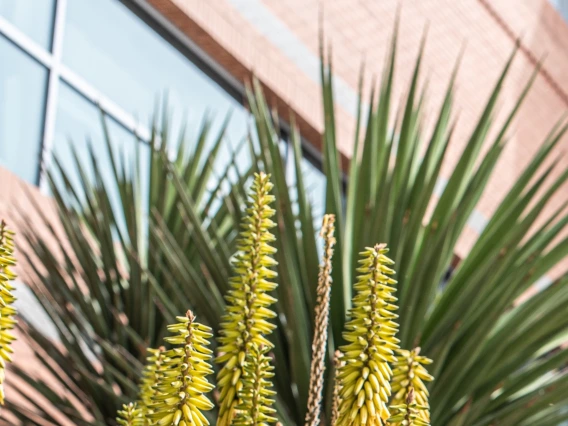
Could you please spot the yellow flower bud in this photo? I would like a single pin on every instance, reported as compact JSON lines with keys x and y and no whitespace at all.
{"x":364,"y":374}
{"x":7,"y":312}
{"x":178,"y":395}
{"x":409,"y":375}
{"x":247,"y":313}
{"x":130,"y":415}
{"x":255,"y":406}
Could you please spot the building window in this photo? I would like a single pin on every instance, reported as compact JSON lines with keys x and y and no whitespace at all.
{"x":132,"y":65}
{"x":109,"y":57}
{"x":68,"y":58}
{"x":22,"y":93}
{"x":79,"y":132}
{"x":33,"y":17}
{"x":562,"y":7}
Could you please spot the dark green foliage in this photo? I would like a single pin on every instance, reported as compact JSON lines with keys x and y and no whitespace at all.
{"x":110,"y":295}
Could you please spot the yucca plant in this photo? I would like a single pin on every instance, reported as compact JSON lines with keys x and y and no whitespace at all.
{"x":496,"y":361}
{"x":120,"y":219}
{"x":176,"y":380}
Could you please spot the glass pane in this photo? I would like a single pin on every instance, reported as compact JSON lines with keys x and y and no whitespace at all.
{"x":22,"y":99}
{"x":33,"y":17}
{"x":134,"y":66}
{"x":562,"y":7}
{"x":78,"y":127}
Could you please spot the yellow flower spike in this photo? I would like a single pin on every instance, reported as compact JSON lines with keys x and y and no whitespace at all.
{"x":130,"y":415}
{"x":364,"y":375}
{"x":319,"y":342}
{"x":7,"y":311}
{"x":247,"y":313}
{"x":179,"y":396}
{"x":151,"y":376}
{"x":336,"y":388}
{"x":408,"y":413}
{"x":255,"y":407}
{"x":409,"y":373}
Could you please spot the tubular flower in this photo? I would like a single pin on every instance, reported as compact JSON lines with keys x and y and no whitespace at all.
{"x":247,"y":311}
{"x":151,"y":377}
{"x":130,"y":415}
{"x":409,"y":412}
{"x":365,"y":376}
{"x":336,"y":388}
{"x":321,"y":324}
{"x":255,"y":407}
{"x":409,"y":372}
{"x":7,"y":311}
{"x":180,"y":394}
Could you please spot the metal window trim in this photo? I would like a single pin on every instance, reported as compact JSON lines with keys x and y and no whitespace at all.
{"x":187,"y":47}
{"x":109,"y":107}
{"x":52,"y":93}
{"x":59,"y":72}
{"x":193,"y":52}
{"x":25,"y":43}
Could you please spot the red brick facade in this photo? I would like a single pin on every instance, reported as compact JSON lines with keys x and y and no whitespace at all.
{"x":361,"y":30}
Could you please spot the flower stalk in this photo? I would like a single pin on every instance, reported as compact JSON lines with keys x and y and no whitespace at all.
{"x":246,"y":321}
{"x":151,"y":377}
{"x":409,"y":412}
{"x":131,"y":415}
{"x":336,"y":388}
{"x":256,"y":399}
{"x":365,"y":376}
{"x":409,"y":374}
{"x":7,"y":310}
{"x":180,"y":394}
{"x":319,"y":343}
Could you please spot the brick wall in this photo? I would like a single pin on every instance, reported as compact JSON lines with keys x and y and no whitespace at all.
{"x":17,"y":208}
{"x":278,"y":41}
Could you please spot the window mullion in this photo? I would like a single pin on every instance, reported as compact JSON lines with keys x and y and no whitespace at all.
{"x":52,"y":92}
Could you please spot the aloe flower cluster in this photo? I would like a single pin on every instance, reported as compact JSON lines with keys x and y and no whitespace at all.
{"x":255,"y":408}
{"x":7,"y":311}
{"x":408,"y":413}
{"x":371,"y":372}
{"x":246,"y":321}
{"x":130,"y":415}
{"x":151,"y":376}
{"x":409,"y":374}
{"x":365,"y":375}
{"x":336,"y":388}
{"x":174,"y":382}
{"x":182,"y":385}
